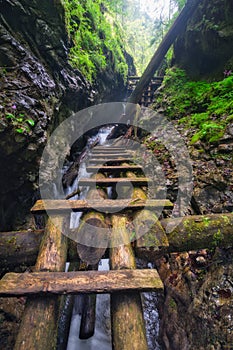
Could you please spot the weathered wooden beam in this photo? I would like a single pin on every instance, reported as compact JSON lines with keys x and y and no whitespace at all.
{"x":91,"y":226}
{"x":65,"y":314}
{"x":87,"y":324}
{"x":113,"y":169}
{"x":51,"y":283}
{"x":126,"y":309}
{"x":200,"y":231}
{"x":191,"y":233}
{"x":19,"y":248}
{"x":110,"y":155}
{"x":106,"y":151}
{"x":109,"y":161}
{"x":139,"y":181}
{"x":38,"y":329}
{"x":109,"y":148}
{"x":83,"y":205}
{"x":88,"y":317}
{"x":161,"y":51}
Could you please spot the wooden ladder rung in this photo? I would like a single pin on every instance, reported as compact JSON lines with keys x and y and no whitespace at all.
{"x":104,"y":160}
{"x":113,"y":168}
{"x":110,"y":155}
{"x":107,"y":205}
{"x":110,"y":148}
{"x":111,"y":151}
{"x":137,"y":181}
{"x":45,"y":283}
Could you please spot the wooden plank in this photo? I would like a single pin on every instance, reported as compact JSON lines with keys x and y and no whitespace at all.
{"x":49,"y":283}
{"x":113,"y":168}
{"x":110,"y":155}
{"x":112,"y":148}
{"x":83,"y":205}
{"x":104,"y":160}
{"x":105,"y":150}
{"x":137,"y":181}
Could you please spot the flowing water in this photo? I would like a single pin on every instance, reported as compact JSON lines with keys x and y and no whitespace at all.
{"x":102,"y":337}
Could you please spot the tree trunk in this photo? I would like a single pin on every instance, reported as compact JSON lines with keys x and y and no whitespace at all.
{"x":199,"y":231}
{"x":128,"y":328}
{"x":38,"y":329}
{"x":192,"y":233}
{"x":177,"y":27}
{"x":19,"y":248}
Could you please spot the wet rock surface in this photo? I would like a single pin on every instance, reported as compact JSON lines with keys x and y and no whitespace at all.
{"x":39,"y":89}
{"x":208,"y":38}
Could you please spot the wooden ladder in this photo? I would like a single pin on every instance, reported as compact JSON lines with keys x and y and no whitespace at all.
{"x":124,"y":281}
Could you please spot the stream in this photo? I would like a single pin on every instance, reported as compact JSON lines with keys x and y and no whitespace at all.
{"x":102,"y":337}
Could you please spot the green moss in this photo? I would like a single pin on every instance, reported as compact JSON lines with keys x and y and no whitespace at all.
{"x":172,"y":304}
{"x":217,"y":238}
{"x":95,"y":37}
{"x":206,"y":108}
{"x":12,"y":241}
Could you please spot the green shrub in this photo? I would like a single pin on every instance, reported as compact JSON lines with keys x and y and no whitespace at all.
{"x":93,"y":35}
{"x":200,"y":105}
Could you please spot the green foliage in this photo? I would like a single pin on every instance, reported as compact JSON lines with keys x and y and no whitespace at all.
{"x":202,"y":106}
{"x":20,"y":123}
{"x":96,"y":40}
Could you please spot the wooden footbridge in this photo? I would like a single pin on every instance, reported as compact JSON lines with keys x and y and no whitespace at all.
{"x":48,"y":282}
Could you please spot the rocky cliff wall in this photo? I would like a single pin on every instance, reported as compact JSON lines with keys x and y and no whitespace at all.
{"x":38,"y":89}
{"x":205,"y":49}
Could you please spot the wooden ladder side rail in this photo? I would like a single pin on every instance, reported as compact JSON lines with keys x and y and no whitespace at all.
{"x":126,"y":309}
{"x":38,"y":329}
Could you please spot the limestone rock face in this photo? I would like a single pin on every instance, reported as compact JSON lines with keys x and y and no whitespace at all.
{"x":205,"y":50}
{"x":38,"y":90}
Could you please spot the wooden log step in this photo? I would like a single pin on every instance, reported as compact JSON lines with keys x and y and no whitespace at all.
{"x":82,"y":205}
{"x":114,"y":161}
{"x":47,"y":283}
{"x":111,"y":155}
{"x":137,"y":181}
{"x":113,"y":168}
{"x":110,"y":148}
{"x":111,"y":151}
